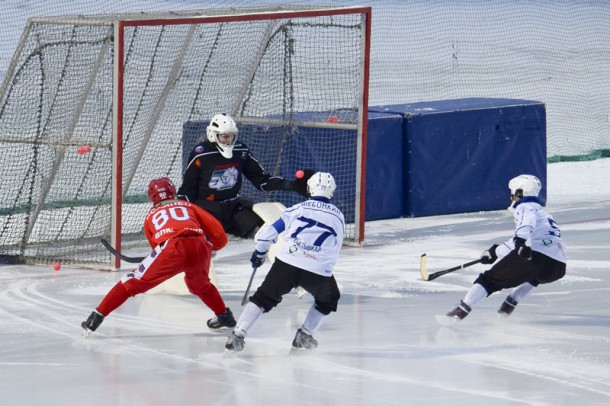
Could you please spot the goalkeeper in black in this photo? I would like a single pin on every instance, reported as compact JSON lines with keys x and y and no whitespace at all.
{"x":213,"y":178}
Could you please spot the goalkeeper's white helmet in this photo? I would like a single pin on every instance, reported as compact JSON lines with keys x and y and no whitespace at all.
{"x":222,"y":124}
{"x":524,"y":185}
{"x":321,"y":184}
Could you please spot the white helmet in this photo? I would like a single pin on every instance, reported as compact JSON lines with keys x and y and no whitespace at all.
{"x":524,"y":185}
{"x":219,"y":125}
{"x":321,"y":184}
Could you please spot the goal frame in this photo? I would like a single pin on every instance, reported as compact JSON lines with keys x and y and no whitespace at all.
{"x":118,"y":92}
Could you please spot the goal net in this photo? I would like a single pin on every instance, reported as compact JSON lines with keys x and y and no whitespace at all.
{"x":94,"y":107}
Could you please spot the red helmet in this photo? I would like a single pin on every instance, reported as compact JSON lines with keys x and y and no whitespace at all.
{"x":161,"y":189}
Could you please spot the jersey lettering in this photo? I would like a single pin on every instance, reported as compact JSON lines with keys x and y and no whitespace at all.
{"x":310,"y":223}
{"x":161,"y":217}
{"x":554,"y":229}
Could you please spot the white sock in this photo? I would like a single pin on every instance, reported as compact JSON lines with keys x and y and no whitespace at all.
{"x":313,"y":321}
{"x":248,"y":319}
{"x":475,"y":295}
{"x":521,"y":291}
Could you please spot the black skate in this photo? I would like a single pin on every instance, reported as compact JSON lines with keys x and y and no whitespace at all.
{"x":455,"y":315}
{"x":235,"y":343}
{"x":460,"y":312}
{"x":92,"y":323}
{"x":304,"y":341}
{"x":222,"y":321}
{"x":507,"y":307}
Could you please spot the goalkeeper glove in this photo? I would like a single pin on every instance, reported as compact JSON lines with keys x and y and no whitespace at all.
{"x":299,"y":185}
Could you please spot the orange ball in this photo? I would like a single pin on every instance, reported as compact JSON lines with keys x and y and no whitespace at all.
{"x":56,"y":266}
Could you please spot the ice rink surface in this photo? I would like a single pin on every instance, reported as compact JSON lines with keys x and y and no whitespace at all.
{"x":382,"y":347}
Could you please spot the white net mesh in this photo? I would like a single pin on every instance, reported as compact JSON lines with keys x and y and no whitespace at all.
{"x":281,"y":78}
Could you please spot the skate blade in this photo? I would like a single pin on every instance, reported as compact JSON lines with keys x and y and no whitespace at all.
{"x":223,"y":330}
{"x":299,"y":352}
{"x":446,"y":321}
{"x":86,"y":332}
{"x":502,"y":316}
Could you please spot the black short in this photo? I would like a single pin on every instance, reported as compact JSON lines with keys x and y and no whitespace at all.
{"x":513,"y":270}
{"x":283,"y":277}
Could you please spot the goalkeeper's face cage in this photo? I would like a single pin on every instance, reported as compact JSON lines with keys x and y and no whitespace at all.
{"x":222,"y":125}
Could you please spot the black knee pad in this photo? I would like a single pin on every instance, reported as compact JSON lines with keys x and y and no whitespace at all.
{"x":326,"y":309}
{"x":326,"y":303}
{"x":264,"y":302}
{"x":552,"y":276}
{"x":486,"y":283}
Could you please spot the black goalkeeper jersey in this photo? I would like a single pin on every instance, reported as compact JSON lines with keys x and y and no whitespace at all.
{"x":211,"y":176}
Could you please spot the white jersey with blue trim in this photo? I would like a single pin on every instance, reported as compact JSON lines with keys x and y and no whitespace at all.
{"x":535,"y":225}
{"x":313,"y":237}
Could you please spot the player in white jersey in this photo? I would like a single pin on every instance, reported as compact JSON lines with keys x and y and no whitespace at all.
{"x":536,"y":254}
{"x":313,"y":237}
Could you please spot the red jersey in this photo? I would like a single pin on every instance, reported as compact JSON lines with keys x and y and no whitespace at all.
{"x":177,"y":217}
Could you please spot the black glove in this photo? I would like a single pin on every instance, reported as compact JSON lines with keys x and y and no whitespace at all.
{"x":299,"y":185}
{"x":258,"y":258}
{"x":522,"y":250}
{"x":489,"y":256}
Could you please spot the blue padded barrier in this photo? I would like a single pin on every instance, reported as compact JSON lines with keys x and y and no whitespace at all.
{"x":384,"y":167}
{"x":460,"y":154}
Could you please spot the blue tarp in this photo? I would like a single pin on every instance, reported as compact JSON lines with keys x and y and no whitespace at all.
{"x":460,"y":154}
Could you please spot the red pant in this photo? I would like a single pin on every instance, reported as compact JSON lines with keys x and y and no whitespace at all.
{"x":190,"y":255}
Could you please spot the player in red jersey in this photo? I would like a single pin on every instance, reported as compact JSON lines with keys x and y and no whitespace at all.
{"x":183,"y":237}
